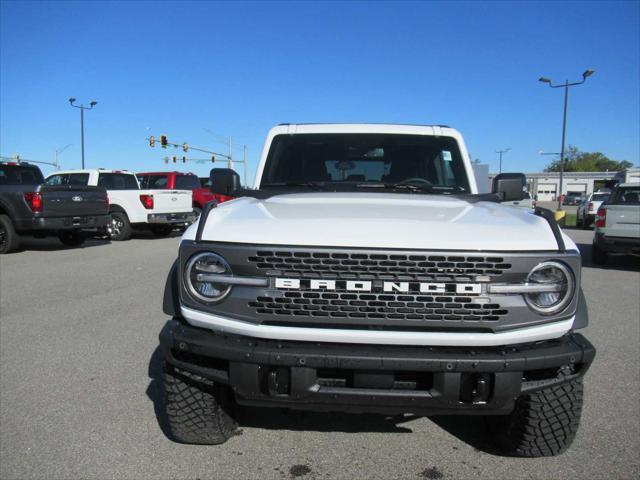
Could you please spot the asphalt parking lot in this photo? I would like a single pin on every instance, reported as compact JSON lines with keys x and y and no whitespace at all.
{"x":79,"y":387}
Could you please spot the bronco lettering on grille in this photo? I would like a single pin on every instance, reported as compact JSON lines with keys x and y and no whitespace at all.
{"x":372,"y":286}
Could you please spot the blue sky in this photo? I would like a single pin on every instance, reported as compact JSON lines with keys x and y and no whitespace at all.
{"x":178,"y":68}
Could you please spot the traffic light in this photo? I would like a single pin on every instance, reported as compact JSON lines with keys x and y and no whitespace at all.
{"x":163,"y":141}
{"x":185,"y":147}
{"x":152,"y":141}
{"x":184,"y":159}
{"x":166,"y":159}
{"x":174,"y":158}
{"x":213,"y":158}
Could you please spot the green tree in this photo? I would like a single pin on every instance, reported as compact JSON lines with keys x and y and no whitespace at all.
{"x":577,"y":161}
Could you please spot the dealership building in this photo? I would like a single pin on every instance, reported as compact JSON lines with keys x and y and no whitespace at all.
{"x":546,"y":185}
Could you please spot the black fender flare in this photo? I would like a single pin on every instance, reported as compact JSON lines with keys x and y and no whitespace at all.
{"x":171,"y":298}
{"x":582,"y":313}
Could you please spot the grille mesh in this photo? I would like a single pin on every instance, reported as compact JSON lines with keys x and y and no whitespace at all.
{"x":377,"y":306}
{"x":374,"y":265}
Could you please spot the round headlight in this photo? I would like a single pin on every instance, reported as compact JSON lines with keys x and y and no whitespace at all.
{"x":201,"y":266}
{"x":559,"y":278}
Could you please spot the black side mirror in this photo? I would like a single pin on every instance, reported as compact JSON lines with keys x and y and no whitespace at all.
{"x":224,"y":181}
{"x":509,"y":186}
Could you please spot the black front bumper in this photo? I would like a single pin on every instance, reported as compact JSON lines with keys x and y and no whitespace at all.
{"x":375,"y":378}
{"x":81,"y":222}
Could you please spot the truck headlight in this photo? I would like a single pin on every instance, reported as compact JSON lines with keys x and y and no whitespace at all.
{"x":561,"y":287}
{"x":202,"y":277}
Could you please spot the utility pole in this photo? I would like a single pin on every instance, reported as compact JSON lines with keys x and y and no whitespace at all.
{"x":244,"y":164}
{"x":565,"y":85}
{"x":230,"y":161}
{"x":501,"y":152}
{"x":82,"y":109}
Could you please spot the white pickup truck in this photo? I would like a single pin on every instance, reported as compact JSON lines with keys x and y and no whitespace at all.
{"x":618,"y":224}
{"x":129,"y":206}
{"x":365,"y":273}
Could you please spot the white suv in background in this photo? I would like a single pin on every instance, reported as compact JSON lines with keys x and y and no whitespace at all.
{"x":129,"y":206}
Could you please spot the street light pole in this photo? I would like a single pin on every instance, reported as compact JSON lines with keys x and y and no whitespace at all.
{"x":565,"y":85}
{"x":82,"y":109}
{"x":57,"y":152}
{"x":501,"y":152}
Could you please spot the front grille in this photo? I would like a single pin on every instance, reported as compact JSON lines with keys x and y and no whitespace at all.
{"x":374,"y":265}
{"x":382,"y":306}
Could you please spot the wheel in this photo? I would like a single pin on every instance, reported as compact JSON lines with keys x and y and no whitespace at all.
{"x":198,"y":410}
{"x":72,"y":238}
{"x":579,"y":222}
{"x":542,"y":424}
{"x":161,"y":230}
{"x":9,"y":239}
{"x":598,"y":256}
{"x":119,"y":228}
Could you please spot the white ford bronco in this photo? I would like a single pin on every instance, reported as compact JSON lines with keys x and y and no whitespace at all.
{"x":364,"y":273}
{"x":129,"y":206}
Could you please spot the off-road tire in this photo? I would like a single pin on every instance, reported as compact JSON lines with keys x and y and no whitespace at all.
{"x":198,"y":410}
{"x":161,"y":230}
{"x":598,"y":256}
{"x":9,"y":238}
{"x":543,"y":423}
{"x":72,"y":238}
{"x":120,"y":228}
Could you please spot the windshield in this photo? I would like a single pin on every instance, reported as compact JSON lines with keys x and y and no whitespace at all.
{"x":359,"y":161}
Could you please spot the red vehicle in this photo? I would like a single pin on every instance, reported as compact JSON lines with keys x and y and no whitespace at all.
{"x":180,"y":181}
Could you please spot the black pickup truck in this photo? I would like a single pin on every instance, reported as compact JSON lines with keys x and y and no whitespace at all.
{"x":27,"y":206}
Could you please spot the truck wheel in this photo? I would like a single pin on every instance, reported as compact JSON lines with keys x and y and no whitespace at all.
{"x":72,"y":238}
{"x":198,"y":409}
{"x":161,"y":230}
{"x":598,"y":256}
{"x":543,"y":423}
{"x":9,"y":239}
{"x":119,"y":227}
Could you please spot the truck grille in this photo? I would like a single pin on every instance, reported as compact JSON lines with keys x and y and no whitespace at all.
{"x":377,"y":306}
{"x":314,"y":263}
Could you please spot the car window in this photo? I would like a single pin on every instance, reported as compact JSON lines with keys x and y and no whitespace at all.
{"x":118,"y":181}
{"x":157,"y":182}
{"x":599,"y":197}
{"x":20,"y":175}
{"x":626,"y":196}
{"x":205,"y":182}
{"x":186,"y":182}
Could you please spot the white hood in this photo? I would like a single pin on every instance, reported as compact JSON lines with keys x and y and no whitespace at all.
{"x":377,"y":220}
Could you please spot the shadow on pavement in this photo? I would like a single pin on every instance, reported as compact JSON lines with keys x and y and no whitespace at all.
{"x":52,"y":244}
{"x":614,"y":261}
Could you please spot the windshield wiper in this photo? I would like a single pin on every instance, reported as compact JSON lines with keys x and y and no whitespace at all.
{"x":313,"y":185}
{"x":399,"y":186}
